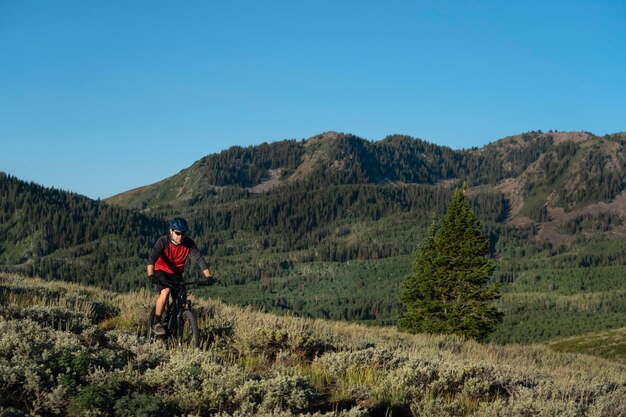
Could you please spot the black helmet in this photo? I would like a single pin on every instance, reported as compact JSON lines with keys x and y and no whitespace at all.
{"x":179,"y":224}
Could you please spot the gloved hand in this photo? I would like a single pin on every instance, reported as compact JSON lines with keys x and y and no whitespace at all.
{"x":153,"y":279}
{"x":210,"y":281}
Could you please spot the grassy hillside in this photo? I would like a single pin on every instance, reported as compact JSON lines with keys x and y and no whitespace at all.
{"x":367,"y":292}
{"x":609,"y":344}
{"x":72,"y":350}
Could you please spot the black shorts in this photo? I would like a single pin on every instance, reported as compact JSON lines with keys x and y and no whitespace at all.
{"x":162,"y":275}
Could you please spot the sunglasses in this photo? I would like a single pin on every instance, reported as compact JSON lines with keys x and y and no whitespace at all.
{"x":177,"y":233}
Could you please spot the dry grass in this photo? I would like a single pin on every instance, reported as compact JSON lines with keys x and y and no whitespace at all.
{"x":253,"y":363}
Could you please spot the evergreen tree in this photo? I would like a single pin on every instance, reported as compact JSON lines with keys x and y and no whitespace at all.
{"x":446,"y":291}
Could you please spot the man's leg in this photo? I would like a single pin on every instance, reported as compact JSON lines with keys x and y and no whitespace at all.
{"x":160,"y":303}
{"x":157,"y":327}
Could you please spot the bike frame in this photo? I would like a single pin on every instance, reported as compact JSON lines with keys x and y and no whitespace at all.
{"x":176,"y":305}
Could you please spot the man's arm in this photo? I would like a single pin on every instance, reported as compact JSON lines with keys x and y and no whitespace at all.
{"x":197,"y":256}
{"x":156,"y":251}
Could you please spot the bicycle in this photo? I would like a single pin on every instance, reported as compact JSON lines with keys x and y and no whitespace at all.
{"x":178,"y":318}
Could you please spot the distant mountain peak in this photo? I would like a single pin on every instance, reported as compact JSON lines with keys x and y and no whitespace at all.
{"x":330,"y":135}
{"x":576,"y":137}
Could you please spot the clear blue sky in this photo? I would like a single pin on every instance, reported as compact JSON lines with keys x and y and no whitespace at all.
{"x":99,"y":97}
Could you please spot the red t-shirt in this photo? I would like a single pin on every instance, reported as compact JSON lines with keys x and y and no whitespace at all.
{"x":171,"y":258}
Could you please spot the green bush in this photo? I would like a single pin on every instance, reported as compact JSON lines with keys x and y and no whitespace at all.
{"x":141,"y":405}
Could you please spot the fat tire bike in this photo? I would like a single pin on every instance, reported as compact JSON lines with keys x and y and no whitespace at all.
{"x":178,"y":319}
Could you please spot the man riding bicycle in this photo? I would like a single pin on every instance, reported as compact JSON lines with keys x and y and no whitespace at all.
{"x":166,"y":262}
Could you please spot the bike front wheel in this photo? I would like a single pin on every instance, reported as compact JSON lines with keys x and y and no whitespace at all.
{"x":188,"y":332}
{"x":150,"y":334}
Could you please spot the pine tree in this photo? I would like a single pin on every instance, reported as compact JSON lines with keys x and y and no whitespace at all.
{"x":446,"y":291}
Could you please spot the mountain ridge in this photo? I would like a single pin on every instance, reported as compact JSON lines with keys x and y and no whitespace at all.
{"x":538,"y":173}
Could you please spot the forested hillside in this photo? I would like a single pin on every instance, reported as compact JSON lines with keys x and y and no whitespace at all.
{"x":62,"y":235}
{"x":327,"y":227}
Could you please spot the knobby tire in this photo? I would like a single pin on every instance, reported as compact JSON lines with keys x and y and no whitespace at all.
{"x":150,"y":335}
{"x":189,"y":335}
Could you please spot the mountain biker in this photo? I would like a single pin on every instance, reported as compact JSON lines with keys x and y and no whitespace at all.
{"x":166,"y":261}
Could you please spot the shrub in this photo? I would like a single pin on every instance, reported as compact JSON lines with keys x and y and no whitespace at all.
{"x":141,"y":405}
{"x":54,"y":317}
{"x":281,"y":392}
{"x":93,"y":400}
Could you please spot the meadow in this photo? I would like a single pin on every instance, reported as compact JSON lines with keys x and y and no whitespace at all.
{"x":67,"y":349}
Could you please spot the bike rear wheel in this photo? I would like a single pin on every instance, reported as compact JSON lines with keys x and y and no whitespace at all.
{"x":189,"y":335}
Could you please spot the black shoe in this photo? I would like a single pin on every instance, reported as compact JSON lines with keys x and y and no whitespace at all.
{"x":158,"y":329}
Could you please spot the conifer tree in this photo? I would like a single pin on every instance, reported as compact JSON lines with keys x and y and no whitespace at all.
{"x":446,"y":291}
